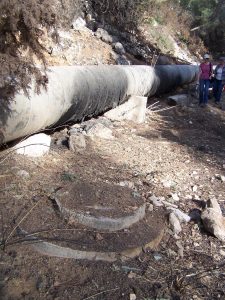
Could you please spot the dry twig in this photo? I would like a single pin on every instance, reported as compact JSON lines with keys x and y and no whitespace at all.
{"x":17,"y":225}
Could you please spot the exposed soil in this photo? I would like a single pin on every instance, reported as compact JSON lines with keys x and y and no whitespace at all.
{"x":179,"y":150}
{"x":81,"y":238}
{"x":76,"y":48}
{"x":94,"y":199}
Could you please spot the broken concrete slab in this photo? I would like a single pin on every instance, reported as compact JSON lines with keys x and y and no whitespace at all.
{"x":35,"y":146}
{"x":213,"y":203}
{"x":175,"y":223}
{"x":182,"y":100}
{"x":214,"y":223}
{"x":183,"y":218}
{"x":54,"y":250}
{"x":213,"y":220}
{"x":102,"y":223}
{"x":134,"y":110}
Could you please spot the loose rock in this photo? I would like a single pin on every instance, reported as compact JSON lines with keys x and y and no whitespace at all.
{"x":62,"y":142}
{"x":215,"y":205}
{"x":104,"y":35}
{"x":119,"y":48}
{"x":101,"y":131}
{"x":168,"y":183}
{"x":194,"y":188}
{"x":133,"y":297}
{"x":34,"y":146}
{"x":129,"y":184}
{"x":122,"y":60}
{"x":155,"y":201}
{"x":79,"y":24}
{"x":171,"y":253}
{"x":175,"y":223}
{"x":77,"y":142}
{"x":213,"y":220}
{"x":99,"y":237}
{"x":23,"y":173}
{"x":131,"y":275}
{"x":175,"y":197}
{"x":150,"y":207}
{"x":183,"y":218}
{"x":157,"y":256}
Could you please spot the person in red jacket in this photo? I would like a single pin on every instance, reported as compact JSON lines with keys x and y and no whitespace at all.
{"x":205,"y":74}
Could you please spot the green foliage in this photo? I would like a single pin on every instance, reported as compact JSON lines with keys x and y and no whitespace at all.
{"x":125,"y":14}
{"x":22,"y":24}
{"x":201,"y":9}
{"x":210,"y":16}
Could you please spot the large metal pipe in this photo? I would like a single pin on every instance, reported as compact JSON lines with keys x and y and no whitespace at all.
{"x":75,"y":93}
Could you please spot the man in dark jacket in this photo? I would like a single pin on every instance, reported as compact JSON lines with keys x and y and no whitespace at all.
{"x":219,"y":80}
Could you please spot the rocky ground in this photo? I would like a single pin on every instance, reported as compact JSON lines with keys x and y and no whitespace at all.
{"x":176,"y":159}
{"x":88,"y":44}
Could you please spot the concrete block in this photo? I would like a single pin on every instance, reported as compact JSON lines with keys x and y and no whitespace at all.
{"x":182,"y":100}
{"x":34,"y":146}
{"x":134,"y":110}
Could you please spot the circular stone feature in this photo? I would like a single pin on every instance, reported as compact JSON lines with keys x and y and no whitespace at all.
{"x":99,"y":205}
{"x":52,"y":233}
{"x":79,"y":237}
{"x":99,"y":198}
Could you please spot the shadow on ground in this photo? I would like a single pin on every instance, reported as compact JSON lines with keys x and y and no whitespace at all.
{"x":200,"y":130}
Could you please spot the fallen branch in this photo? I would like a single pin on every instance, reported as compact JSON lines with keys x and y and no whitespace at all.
{"x":152,"y":105}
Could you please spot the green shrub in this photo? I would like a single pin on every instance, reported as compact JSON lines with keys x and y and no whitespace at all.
{"x":22,"y":24}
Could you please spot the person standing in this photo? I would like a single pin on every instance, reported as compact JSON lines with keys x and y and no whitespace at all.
{"x":205,"y":74}
{"x":219,"y":80}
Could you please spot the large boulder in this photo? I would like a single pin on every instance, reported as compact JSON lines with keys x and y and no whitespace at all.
{"x":104,"y":35}
{"x":213,"y":220}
